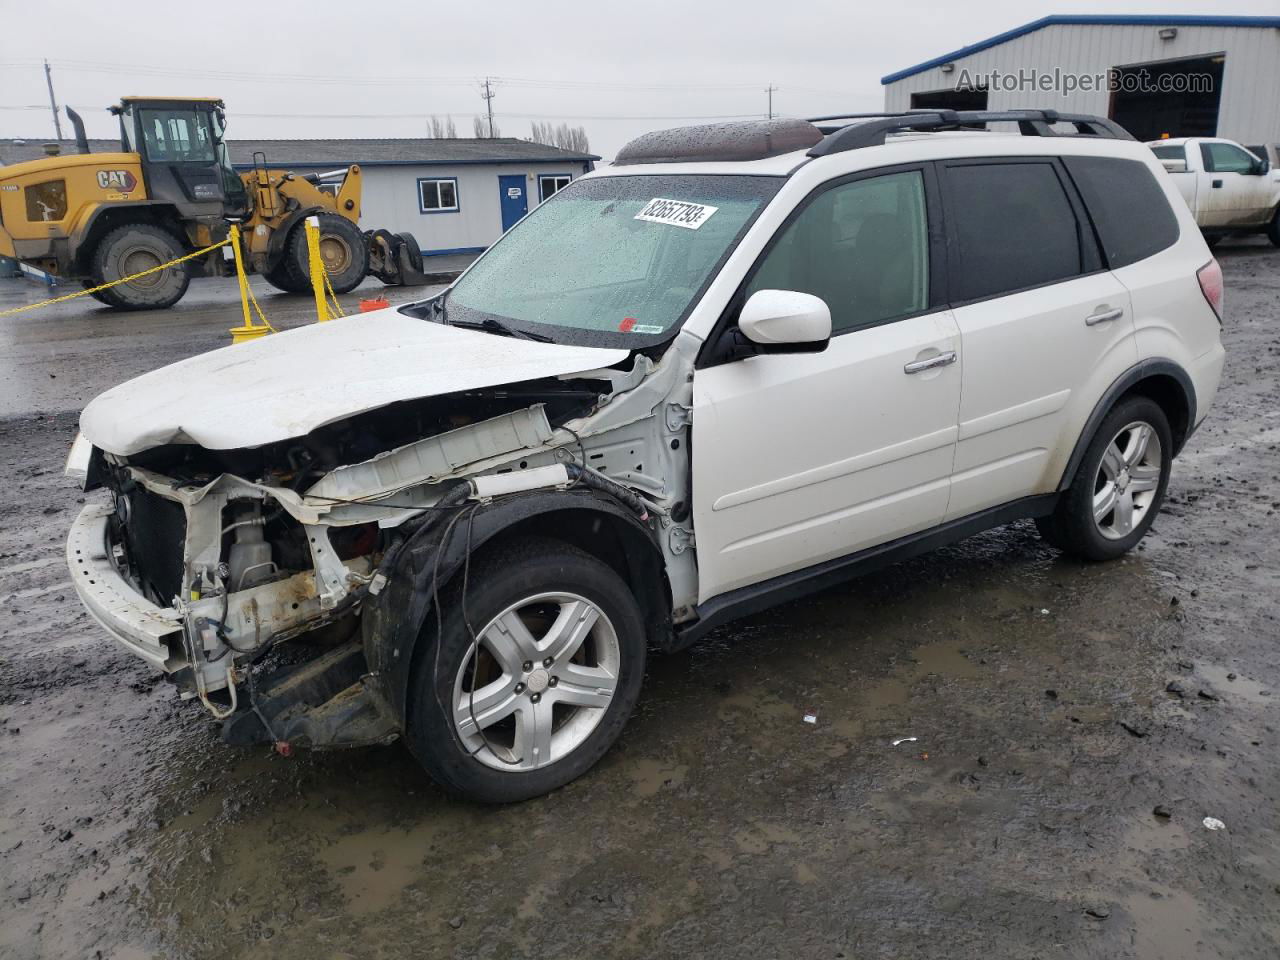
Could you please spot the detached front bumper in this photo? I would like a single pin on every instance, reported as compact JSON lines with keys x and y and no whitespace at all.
{"x":144,"y":629}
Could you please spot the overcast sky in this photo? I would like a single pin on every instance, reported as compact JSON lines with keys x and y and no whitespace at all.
{"x":317,"y":69}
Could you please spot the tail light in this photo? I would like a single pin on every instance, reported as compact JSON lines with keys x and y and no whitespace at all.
{"x":1210,"y":277}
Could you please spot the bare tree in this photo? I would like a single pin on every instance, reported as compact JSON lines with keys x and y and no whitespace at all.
{"x":438,"y":129}
{"x":481,"y":128}
{"x":560,"y":135}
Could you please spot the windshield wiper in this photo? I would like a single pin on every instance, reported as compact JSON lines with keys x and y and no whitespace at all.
{"x":493,"y":325}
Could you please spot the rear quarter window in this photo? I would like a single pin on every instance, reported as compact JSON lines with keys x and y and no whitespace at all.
{"x":1128,"y":208}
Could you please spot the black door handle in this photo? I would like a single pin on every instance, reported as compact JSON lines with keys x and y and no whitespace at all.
{"x":1216,"y":184}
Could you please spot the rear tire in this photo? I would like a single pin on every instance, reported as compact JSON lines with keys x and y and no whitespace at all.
{"x":342,"y":248}
{"x":132,"y":249}
{"x":556,"y":627}
{"x":1273,"y":229}
{"x":1119,"y":487}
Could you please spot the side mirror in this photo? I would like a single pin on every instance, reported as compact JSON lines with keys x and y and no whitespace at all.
{"x":1174,"y":166}
{"x":786,"y":320}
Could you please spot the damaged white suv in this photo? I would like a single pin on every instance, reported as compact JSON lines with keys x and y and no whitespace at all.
{"x":741,"y":364}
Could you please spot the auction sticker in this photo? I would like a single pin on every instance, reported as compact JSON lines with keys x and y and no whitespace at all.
{"x":677,"y":213}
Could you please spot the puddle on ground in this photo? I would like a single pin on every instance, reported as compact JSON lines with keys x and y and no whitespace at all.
{"x":374,"y":868}
{"x":1241,"y":688}
{"x":649,"y":776}
{"x":1167,"y":925}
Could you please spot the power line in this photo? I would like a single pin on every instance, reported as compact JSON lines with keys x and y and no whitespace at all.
{"x":98,"y":66}
{"x":499,"y":115}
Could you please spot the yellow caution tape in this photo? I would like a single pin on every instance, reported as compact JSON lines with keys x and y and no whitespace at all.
{"x":113,"y":283}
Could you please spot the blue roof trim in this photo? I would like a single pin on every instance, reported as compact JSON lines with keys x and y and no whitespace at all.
{"x":1081,"y":19}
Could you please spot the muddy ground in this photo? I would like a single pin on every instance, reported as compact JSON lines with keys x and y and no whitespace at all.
{"x":1055,"y":705}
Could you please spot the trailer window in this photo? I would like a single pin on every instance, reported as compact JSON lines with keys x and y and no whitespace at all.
{"x":438,"y":195}
{"x":178,"y":136}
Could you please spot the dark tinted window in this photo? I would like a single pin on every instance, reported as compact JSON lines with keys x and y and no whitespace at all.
{"x":1013,"y":228}
{"x":1127,"y":206}
{"x":1171,"y":153}
{"x":863,"y":247}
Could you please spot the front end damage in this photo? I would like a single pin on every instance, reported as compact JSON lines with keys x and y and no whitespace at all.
{"x":206,"y":562}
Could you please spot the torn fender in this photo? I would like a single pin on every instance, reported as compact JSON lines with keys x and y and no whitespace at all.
{"x":393,"y":622}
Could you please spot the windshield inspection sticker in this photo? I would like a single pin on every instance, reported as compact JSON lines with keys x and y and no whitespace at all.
{"x":629,"y":325}
{"x":678,"y":213}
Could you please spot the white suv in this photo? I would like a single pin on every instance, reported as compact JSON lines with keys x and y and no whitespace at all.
{"x":743,"y":363}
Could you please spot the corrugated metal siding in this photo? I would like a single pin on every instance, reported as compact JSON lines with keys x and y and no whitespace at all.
{"x":1250,"y":104}
{"x":390,"y":201}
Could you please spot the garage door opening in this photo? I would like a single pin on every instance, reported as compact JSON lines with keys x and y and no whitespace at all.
{"x":1169,"y":98}
{"x":949,"y":100}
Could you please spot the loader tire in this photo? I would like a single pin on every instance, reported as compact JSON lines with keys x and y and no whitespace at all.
{"x":342,"y":248}
{"x":282,"y":278}
{"x":132,"y":249}
{"x":99,"y":295}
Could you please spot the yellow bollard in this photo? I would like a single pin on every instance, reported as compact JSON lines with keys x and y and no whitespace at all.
{"x":317,"y":270}
{"x":250,"y":330}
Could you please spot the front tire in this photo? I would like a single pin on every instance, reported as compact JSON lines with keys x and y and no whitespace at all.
{"x":342,"y":250}
{"x":1119,"y":486}
{"x":549,"y":683}
{"x":132,"y":249}
{"x":1273,"y":229}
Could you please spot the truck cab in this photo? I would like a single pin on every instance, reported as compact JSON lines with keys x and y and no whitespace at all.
{"x":1229,"y":190}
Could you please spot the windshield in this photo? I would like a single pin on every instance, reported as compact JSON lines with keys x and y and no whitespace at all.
{"x":612,"y":261}
{"x":177,"y":135}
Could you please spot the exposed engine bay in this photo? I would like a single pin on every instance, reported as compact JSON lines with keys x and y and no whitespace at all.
{"x":237,"y":550}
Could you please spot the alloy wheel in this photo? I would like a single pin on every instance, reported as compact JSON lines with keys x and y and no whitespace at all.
{"x":536,"y":682}
{"x":1127,"y":480}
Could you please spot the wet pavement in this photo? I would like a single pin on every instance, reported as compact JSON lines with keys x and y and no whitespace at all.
{"x":1055,"y":707}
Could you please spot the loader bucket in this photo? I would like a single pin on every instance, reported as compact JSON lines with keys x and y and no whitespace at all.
{"x":395,"y":258}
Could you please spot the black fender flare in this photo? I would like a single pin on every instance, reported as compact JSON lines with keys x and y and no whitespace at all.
{"x":275,"y":247}
{"x":1158,"y":366}
{"x":392,"y":622}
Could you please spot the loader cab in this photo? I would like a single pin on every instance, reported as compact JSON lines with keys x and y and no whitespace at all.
{"x":183,"y":154}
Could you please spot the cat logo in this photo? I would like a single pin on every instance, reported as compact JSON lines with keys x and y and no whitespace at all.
{"x":121,"y":180}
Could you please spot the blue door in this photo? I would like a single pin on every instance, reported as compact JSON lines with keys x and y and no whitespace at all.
{"x":514,"y":198}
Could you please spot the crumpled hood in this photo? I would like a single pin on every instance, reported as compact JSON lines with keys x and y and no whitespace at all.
{"x":288,"y":384}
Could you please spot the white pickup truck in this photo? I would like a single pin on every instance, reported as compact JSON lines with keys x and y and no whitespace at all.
{"x":1230,"y":190}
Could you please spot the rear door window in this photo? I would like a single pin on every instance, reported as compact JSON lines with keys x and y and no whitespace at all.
{"x":1177,"y":152}
{"x":1128,"y":208}
{"x":1012,"y":227}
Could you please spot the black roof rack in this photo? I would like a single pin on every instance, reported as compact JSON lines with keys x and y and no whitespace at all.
{"x":870,"y":129}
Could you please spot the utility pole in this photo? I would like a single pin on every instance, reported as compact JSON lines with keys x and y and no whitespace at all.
{"x":770,"y":90}
{"x":488,"y":102}
{"x":53,"y":104}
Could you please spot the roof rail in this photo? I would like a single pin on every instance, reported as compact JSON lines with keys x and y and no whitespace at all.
{"x":870,"y":129}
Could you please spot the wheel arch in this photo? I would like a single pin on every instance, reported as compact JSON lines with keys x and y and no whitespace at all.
{"x":1163,"y":381}
{"x":393,"y":622}
{"x":110,"y":216}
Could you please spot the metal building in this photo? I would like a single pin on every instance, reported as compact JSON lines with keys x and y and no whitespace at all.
{"x":1156,"y":76}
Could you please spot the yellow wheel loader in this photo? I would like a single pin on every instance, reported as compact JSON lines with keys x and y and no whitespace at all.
{"x":171,"y":190}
